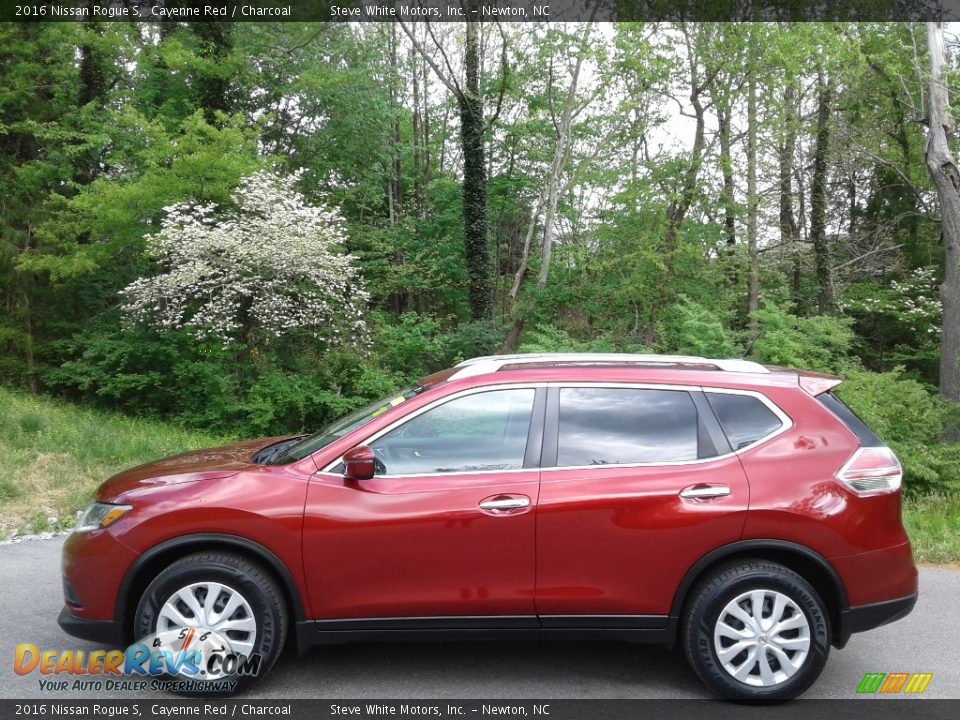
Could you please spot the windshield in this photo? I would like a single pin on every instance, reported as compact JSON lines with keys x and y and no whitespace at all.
{"x":336,"y":430}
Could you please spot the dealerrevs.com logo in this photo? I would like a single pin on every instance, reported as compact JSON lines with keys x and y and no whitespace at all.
{"x":182,"y":659}
{"x":892,"y":683}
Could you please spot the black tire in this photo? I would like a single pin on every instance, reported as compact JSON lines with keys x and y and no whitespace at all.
{"x":241,"y":575}
{"x":707,"y":602}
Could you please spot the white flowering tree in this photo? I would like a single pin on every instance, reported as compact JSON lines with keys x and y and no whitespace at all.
{"x":271,"y":265}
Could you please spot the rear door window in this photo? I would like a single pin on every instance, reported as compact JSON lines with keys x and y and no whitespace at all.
{"x":745,"y":419}
{"x":616,"y":426}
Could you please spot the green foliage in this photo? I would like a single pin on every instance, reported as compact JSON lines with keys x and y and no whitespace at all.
{"x":899,"y":322}
{"x":415,"y":346}
{"x":688,"y":328}
{"x":279,"y":402}
{"x":144,"y":372}
{"x":418,"y":344}
{"x":204,"y":386}
{"x":549,"y":338}
{"x":39,"y":523}
{"x":933,"y":524}
{"x":471,"y":339}
{"x":913,"y":422}
{"x":820,"y":343}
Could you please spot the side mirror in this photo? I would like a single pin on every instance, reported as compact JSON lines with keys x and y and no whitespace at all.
{"x":359,"y":463}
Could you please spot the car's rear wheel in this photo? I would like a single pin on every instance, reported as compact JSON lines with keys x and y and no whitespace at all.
{"x":219,"y":604}
{"x":756,"y":630}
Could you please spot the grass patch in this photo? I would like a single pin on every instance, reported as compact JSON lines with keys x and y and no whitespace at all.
{"x":53,"y":455}
{"x":933,"y":523}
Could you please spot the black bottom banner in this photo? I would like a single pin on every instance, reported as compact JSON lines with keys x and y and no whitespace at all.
{"x":872,"y":709}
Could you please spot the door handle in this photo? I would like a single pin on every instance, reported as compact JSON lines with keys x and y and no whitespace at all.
{"x":505,"y":503}
{"x":704,"y":492}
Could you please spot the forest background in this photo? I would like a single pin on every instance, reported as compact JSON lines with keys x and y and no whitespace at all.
{"x":211,"y":231}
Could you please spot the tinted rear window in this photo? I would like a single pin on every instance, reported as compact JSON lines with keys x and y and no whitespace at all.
{"x":615,"y":426}
{"x":744,"y":418}
{"x":849,"y":418}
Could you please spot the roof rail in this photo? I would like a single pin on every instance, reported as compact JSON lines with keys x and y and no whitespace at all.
{"x":493,"y":363}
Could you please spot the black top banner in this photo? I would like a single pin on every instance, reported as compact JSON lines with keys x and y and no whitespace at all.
{"x":476,"y":10}
{"x":416,"y":709}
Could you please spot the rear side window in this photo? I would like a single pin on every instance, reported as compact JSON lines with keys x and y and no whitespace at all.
{"x":849,"y":418}
{"x":744,"y":418}
{"x":614,"y":426}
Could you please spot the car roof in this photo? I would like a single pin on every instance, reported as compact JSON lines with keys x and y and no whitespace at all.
{"x":619,"y":367}
{"x":494,"y":363}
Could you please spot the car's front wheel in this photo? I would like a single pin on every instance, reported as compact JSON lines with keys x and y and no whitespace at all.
{"x":755,"y":630}
{"x":224,"y":608}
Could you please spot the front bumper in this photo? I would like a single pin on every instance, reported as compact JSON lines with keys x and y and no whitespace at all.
{"x":93,"y":567}
{"x":866,"y":617}
{"x":107,"y":632}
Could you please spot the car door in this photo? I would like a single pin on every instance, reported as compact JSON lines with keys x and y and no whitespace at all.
{"x":637,"y":484}
{"x":443,"y":534}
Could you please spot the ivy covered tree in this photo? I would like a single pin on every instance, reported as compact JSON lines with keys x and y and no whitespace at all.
{"x":271,"y":265}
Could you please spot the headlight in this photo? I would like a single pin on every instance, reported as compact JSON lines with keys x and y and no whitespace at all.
{"x":100,"y":515}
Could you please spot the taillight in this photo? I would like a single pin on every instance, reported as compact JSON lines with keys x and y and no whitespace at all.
{"x":871,"y":470}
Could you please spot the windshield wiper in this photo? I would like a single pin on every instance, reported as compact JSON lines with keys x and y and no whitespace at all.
{"x":266,"y":456}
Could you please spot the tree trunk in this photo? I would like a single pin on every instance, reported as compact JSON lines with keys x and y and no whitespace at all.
{"x":726,"y":168}
{"x":525,"y":253}
{"x":426,"y":136}
{"x":818,"y":199}
{"x":415,"y":122}
{"x":472,"y":134}
{"x":753,"y":291}
{"x":789,"y":232}
{"x":946,"y":177}
{"x":677,"y":209}
{"x":395,"y":181}
{"x":560,"y":152}
{"x":470,"y":104}
{"x":94,"y":85}
{"x":212,"y":86}
{"x":552,"y":198}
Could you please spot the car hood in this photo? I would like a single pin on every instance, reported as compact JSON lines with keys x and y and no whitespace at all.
{"x":205,"y":464}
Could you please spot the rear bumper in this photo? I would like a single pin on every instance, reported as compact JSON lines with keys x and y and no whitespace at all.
{"x":866,"y":617}
{"x":107,"y":632}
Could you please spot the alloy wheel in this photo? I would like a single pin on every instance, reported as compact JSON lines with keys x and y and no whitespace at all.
{"x":212,"y":606}
{"x":762,"y":638}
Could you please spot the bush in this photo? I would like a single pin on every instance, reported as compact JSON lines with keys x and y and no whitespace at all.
{"x":147,"y":373}
{"x":417,"y":345}
{"x":688,"y":328}
{"x":912,"y":421}
{"x":549,"y":338}
{"x":469,"y":340}
{"x":821,"y":342}
{"x":288,"y":389}
{"x":412,"y":347}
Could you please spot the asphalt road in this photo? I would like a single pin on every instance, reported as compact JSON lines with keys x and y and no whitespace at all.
{"x":926,"y":641}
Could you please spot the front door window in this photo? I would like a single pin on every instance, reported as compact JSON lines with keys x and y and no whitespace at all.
{"x":482,"y":432}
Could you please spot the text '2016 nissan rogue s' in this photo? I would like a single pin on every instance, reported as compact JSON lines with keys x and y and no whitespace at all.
{"x":741,"y":511}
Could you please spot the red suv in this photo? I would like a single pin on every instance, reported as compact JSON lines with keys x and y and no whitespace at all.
{"x":741,"y":511}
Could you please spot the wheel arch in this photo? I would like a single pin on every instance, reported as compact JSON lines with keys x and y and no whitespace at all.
{"x":807,"y":563}
{"x":150,"y":563}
